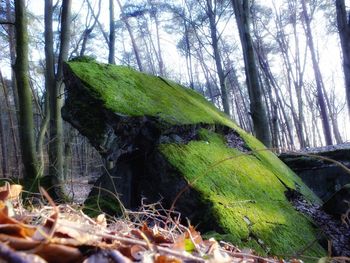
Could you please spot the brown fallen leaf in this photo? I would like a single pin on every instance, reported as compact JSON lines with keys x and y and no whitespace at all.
{"x":8,"y":192}
{"x":50,"y":252}
{"x":136,"y":252}
{"x":11,"y":226}
{"x":152,"y":235}
{"x":59,"y":253}
{"x":166,"y":259}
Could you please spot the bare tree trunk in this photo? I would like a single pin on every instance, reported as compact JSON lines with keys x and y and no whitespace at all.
{"x":4,"y":155}
{"x":265,"y":67}
{"x":298,"y":79}
{"x":104,"y":34}
{"x":132,"y":38}
{"x":294,"y":71}
{"x":12,"y":46}
{"x":88,"y":30}
{"x":343,"y":23}
{"x":149,"y":57}
{"x":215,"y":45}
{"x":111,"y":43}
{"x":154,"y":16}
{"x":257,"y":109}
{"x":56,"y":158}
{"x":26,"y":125}
{"x":318,"y":78}
{"x":188,"y":56}
{"x":12,"y":87}
{"x":333,"y":118}
{"x":12,"y":125}
{"x":312,"y":104}
{"x":42,"y":131}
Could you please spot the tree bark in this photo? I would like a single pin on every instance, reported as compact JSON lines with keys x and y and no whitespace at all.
{"x":132,"y":38}
{"x":215,"y":45}
{"x":257,"y":108}
{"x":154,"y":16}
{"x":318,"y":77}
{"x":88,"y":30}
{"x":10,"y":118}
{"x":4,"y":152}
{"x":12,"y":46}
{"x":56,"y":158}
{"x":26,"y":125}
{"x":343,"y":23}
{"x":111,"y":43}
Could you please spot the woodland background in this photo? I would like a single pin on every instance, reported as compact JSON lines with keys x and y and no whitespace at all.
{"x":280,"y":69}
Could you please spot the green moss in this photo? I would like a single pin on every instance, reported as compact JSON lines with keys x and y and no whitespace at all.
{"x":132,"y":93}
{"x":83,"y":59}
{"x":277,"y":167}
{"x":248,"y":197}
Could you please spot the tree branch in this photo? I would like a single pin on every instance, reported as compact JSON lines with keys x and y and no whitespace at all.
{"x":5,"y":22}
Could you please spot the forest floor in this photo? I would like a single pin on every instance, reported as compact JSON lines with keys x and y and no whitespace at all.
{"x":62,"y":233}
{"x":331,"y":228}
{"x":78,"y":189}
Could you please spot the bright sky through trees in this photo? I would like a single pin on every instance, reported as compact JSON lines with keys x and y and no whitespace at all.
{"x":325,"y":35}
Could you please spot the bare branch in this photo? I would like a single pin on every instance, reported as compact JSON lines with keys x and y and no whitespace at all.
{"x":5,"y":22}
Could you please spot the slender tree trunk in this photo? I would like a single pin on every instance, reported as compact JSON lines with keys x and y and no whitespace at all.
{"x":87,"y":32}
{"x":12,"y":124}
{"x":154,"y":16}
{"x":215,"y":45}
{"x":132,"y":38}
{"x":26,"y":125}
{"x":49,"y":81}
{"x":294,"y":71}
{"x":12,"y":87}
{"x":318,"y":78}
{"x":111,"y":43}
{"x":266,"y":69}
{"x":104,"y":34}
{"x":56,"y":157}
{"x":257,"y":108}
{"x":333,"y":118}
{"x":343,"y":23}
{"x":4,"y":155}
{"x":12,"y":46}
{"x":42,"y":131}
{"x":298,"y":80}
